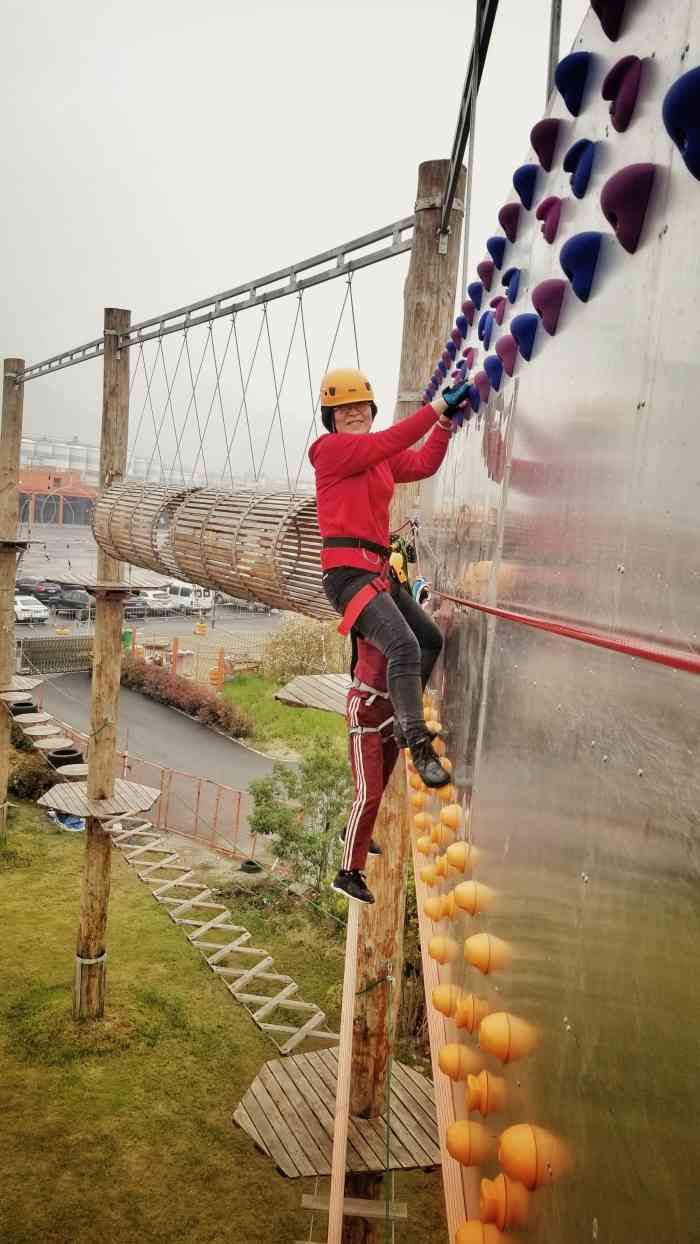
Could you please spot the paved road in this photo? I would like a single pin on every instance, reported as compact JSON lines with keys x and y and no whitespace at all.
{"x":157,"y":733}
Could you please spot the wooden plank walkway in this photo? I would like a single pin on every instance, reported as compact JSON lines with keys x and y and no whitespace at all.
{"x":289,"y":1113}
{"x":324,"y":691}
{"x":72,"y":797}
{"x":247,"y":971}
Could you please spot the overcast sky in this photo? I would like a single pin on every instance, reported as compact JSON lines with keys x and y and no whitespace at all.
{"x":160,"y":151}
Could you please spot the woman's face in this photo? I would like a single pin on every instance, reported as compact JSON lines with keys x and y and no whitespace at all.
{"x":355,"y":418}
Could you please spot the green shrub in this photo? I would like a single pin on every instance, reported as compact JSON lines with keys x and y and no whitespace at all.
{"x":190,"y":697}
{"x":31,"y":777}
{"x":304,"y":646}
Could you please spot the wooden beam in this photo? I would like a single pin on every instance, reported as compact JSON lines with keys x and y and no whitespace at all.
{"x":336,"y":1207}
{"x":429,"y":302}
{"x":10,"y":441}
{"x":90,"y":973}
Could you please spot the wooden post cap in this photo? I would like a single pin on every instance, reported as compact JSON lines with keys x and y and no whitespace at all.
{"x":487,"y":953}
{"x":507,"y":1036}
{"x":504,"y":1202}
{"x":469,"y":1143}
{"x":458,"y":1061}
{"x":533,"y":1156}
{"x":486,"y":1093}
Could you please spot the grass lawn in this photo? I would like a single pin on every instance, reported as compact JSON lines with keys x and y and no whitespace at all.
{"x":121,"y":1130}
{"x":275,"y":723}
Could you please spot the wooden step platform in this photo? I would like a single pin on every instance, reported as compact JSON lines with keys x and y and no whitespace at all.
{"x":23,"y":682}
{"x":289,"y":1111}
{"x":55,"y":741}
{"x":32,"y":719}
{"x":358,"y":1207}
{"x":42,"y":731}
{"x":72,"y":797}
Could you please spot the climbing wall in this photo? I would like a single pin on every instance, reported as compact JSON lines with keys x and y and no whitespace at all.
{"x":561,"y":897}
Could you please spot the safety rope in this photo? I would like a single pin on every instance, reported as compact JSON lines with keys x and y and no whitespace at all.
{"x":690,"y":664}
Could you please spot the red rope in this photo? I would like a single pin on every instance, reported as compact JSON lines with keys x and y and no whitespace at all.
{"x":690,"y":664}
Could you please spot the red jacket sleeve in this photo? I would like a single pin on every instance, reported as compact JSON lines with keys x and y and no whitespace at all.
{"x":343,"y":454}
{"x":413,"y":464}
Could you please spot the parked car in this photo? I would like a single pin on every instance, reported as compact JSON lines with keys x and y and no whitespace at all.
{"x":45,"y":590}
{"x":157,"y":600}
{"x":75,"y":603}
{"x":134,"y":607}
{"x":189,"y":598}
{"x":29,"y":609}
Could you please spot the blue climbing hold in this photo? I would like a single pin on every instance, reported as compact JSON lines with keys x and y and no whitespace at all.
{"x":442,"y":368}
{"x":474,"y":398}
{"x":494,"y":370}
{"x":681,"y":113}
{"x":475,"y":291}
{"x":524,"y":179}
{"x":451,"y":349}
{"x":496,"y":247}
{"x":486,"y":328}
{"x":462,"y":324}
{"x":578,"y":258}
{"x":524,"y":329}
{"x":570,"y":78}
{"x":579,"y":161}
{"x":511,"y":281}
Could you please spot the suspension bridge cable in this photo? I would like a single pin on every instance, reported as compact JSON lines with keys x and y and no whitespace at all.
{"x":354,"y":321}
{"x":278,"y":394}
{"x":156,"y":438}
{"x":194,"y":381}
{"x":317,"y":400}
{"x":244,"y":387}
{"x":168,"y":398}
{"x":217,"y":372}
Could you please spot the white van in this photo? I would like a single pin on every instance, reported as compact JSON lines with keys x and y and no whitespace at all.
{"x":190,"y":598}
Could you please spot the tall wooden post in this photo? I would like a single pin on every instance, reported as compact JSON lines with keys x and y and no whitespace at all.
{"x":10,"y":441}
{"x":429,"y":308}
{"x":90,"y":965}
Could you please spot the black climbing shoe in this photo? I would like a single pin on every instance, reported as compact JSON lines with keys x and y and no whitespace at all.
{"x":427,"y":765}
{"x":374,"y":847}
{"x":351,"y":883}
{"x":402,"y":742}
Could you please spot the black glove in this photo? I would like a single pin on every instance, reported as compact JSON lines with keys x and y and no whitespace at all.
{"x":455,"y":397}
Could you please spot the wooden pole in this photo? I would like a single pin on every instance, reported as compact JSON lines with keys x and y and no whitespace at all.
{"x":10,"y":441}
{"x":90,"y":963}
{"x":342,"y":1100}
{"x":429,"y":308}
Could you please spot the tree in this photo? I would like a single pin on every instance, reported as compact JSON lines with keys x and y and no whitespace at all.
{"x":303,"y":809}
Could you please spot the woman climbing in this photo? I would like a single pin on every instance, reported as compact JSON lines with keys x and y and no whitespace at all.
{"x":356,"y":471}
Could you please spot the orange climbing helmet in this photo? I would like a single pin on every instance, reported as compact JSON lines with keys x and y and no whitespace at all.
{"x":342,"y":387}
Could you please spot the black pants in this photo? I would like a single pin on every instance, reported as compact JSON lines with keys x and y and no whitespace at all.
{"x":402,"y":632}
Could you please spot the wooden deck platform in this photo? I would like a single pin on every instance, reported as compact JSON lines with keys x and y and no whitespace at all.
{"x":23,"y":682}
{"x":289,"y":1109}
{"x":325,"y":691}
{"x":72,"y":797}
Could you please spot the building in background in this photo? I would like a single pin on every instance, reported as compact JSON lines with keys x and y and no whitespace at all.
{"x":54,"y":495}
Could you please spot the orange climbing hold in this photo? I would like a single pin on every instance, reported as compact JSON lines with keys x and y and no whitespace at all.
{"x":429,"y":874}
{"x":441,"y":866}
{"x":449,"y":907}
{"x":442,"y":836}
{"x":423,"y":820}
{"x":418,"y":800}
{"x":475,"y":1232}
{"x":470,"y":1011}
{"x":439,"y":747}
{"x":446,"y":794}
{"x":469,"y":1143}
{"x":433,"y":908}
{"x":504,"y":1202}
{"x":486,"y":1093}
{"x":461,"y":856}
{"x":487,"y":953}
{"x":445,"y":998}
{"x":446,"y":764}
{"x":458,"y":1061}
{"x":416,"y":781}
{"x":426,"y":846}
{"x":443,"y":949}
{"x":474,"y":897}
{"x":451,"y":816}
{"x":507,"y":1036}
{"x":434,"y":726}
{"x":532,"y":1155}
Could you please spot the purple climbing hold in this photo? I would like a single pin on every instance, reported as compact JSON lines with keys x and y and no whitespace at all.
{"x":509,"y":219}
{"x":524,"y":329}
{"x":579,"y":161}
{"x":499,"y":307}
{"x":476,"y":291}
{"x":494,"y":370}
{"x":506,"y":349}
{"x":511,"y":281}
{"x":547,"y":298}
{"x":621,"y":87}
{"x":543,"y":137}
{"x":485,"y":271}
{"x":456,"y":336}
{"x":486,"y":328}
{"x":445,"y":358}
{"x":549,"y":212}
{"x":609,"y":13}
{"x":496,"y":247}
{"x":468,"y":311}
{"x":579,"y":257}
{"x":474,"y":398}
{"x":483,"y":384}
{"x":469,"y":356}
{"x":435,"y":378}
{"x":462,"y":324}
{"x":624,"y":200}
{"x":570,"y":78}
{"x":450,"y":350}
{"x":681,"y":113}
{"x":442,"y":368}
{"x":524,"y":179}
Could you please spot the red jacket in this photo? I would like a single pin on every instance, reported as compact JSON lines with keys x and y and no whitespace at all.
{"x":355,"y":477}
